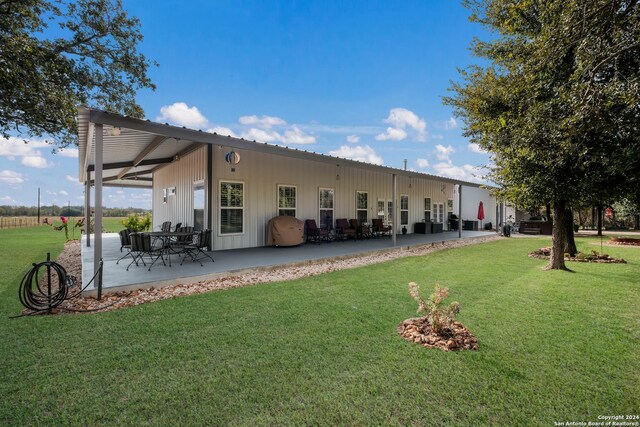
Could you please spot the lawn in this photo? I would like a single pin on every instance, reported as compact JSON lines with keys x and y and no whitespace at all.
{"x":554,"y":347}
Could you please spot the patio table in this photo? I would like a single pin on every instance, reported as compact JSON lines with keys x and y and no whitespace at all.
{"x":168,"y":236}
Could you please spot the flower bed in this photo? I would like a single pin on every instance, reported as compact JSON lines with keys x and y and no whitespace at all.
{"x":625,"y":241}
{"x":594,"y":256}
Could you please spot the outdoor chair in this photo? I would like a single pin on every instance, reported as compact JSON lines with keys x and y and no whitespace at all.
{"x":196,"y":250}
{"x":361,"y":231}
{"x":344,"y":229}
{"x":177,"y":245}
{"x":315,"y":234}
{"x":379,"y":228}
{"x":141,"y":246}
{"x":178,"y":225}
{"x":125,"y":242}
{"x":166,"y":226}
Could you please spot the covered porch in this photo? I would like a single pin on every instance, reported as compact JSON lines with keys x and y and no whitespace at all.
{"x":232,"y":262}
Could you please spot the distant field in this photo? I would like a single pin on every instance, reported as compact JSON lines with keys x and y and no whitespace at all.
{"x":109,"y":224}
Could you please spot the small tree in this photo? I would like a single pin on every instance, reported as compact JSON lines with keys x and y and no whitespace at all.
{"x":438,"y":316}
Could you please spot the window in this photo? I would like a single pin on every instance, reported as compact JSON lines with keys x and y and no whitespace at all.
{"x":380,"y":209}
{"x":198,"y":206}
{"x":438,"y":212}
{"x":427,"y":209}
{"x":286,"y":200}
{"x":362,"y":206}
{"x":404,"y":209}
{"x":231,"y":207}
{"x":389,"y":212}
{"x":325,"y":204}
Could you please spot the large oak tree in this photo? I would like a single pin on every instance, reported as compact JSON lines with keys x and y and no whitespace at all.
{"x":557,"y":104}
{"x":56,"y":55}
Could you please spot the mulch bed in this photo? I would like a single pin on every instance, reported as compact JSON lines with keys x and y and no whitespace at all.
{"x":418,"y":330}
{"x":624,"y":241}
{"x":545,"y":253}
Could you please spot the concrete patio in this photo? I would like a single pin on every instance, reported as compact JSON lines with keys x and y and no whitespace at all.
{"x":232,"y":262}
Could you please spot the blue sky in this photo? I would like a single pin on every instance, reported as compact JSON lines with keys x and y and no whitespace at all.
{"x":361,"y":80}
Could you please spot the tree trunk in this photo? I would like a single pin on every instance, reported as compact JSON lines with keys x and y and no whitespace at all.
{"x":558,"y":237}
{"x":570,"y":243}
{"x":600,"y":219}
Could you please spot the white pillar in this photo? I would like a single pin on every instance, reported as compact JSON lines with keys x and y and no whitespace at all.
{"x":394,"y":219}
{"x":87,"y":208}
{"x":97,"y":228}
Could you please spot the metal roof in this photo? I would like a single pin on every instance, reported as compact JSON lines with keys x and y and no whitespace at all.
{"x":134,"y":148}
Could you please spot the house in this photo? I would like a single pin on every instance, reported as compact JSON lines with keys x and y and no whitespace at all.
{"x":235,"y":186}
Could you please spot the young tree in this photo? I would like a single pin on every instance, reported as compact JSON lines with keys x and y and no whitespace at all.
{"x":56,"y":55}
{"x":557,"y":106}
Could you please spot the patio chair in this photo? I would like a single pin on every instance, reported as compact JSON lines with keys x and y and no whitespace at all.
{"x":196,"y":250}
{"x":141,"y":246}
{"x":344,"y":229}
{"x":166,"y":226}
{"x":315,"y":234}
{"x":379,"y":228}
{"x":177,"y":227}
{"x":361,"y":231}
{"x":125,"y":242}
{"x":178,"y":244}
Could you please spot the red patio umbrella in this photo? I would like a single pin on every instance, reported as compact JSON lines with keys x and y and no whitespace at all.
{"x":480,"y":213}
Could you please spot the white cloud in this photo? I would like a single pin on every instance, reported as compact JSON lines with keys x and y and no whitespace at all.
{"x":16,"y":147}
{"x":393,"y":134}
{"x":298,"y":137}
{"x":261,"y":135}
{"x":63,"y":193}
{"x":436,"y":136}
{"x":179,"y":113}
{"x":265,"y":122}
{"x":422,"y":163}
{"x":465,"y":172}
{"x":68,"y":152}
{"x":442,"y":152}
{"x":7,"y":200}
{"x":353,"y":139}
{"x":72,"y":178}
{"x":476,"y":148}
{"x":221,"y":130}
{"x":401,"y":120}
{"x":293,"y":136}
{"x":451,"y":124}
{"x":38,"y":162}
{"x":11,"y":177}
{"x":362,"y":153}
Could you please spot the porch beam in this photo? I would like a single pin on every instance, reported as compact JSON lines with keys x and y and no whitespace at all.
{"x":185,"y":152}
{"x":118,"y":165}
{"x":157,"y":141}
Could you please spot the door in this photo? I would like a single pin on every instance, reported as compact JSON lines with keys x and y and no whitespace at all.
{"x":198,"y":206}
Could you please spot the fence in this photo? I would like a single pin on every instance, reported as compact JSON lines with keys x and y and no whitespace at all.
{"x":18,"y":221}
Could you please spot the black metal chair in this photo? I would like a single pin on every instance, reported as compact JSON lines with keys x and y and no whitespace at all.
{"x":141,"y":246}
{"x":177,"y":227}
{"x":125,"y":242}
{"x":195,"y":250}
{"x":344,"y":229}
{"x":166,"y":226}
{"x":177,"y":244}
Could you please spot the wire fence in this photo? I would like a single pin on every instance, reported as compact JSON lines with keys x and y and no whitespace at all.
{"x":17,"y":222}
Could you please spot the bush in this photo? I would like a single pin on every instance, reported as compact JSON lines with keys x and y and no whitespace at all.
{"x":137,"y":223}
{"x":438,"y":316}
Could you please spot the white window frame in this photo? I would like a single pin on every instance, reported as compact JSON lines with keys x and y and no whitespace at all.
{"x":404,"y":210}
{"x":438,"y":211}
{"x":220,"y":207}
{"x":366,"y":208}
{"x":295,"y":208}
{"x":332,"y":208}
{"x":427,"y":208}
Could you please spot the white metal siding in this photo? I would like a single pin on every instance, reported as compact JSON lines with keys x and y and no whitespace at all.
{"x":180,"y":174}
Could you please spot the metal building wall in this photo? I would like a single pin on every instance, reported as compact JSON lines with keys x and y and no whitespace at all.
{"x":180,"y":174}
{"x":262,"y":173}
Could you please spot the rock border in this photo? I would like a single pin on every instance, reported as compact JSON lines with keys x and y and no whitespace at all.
{"x":544,"y":254}
{"x":419,"y":331}
{"x":70,"y":258}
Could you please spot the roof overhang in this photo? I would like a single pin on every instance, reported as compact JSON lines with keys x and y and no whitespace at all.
{"x":134,"y":148}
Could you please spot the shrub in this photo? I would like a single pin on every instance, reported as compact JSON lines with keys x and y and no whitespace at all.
{"x":438,"y":316}
{"x":137,"y":223}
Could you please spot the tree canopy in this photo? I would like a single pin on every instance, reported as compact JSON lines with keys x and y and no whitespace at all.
{"x":57,"y":55}
{"x":558,"y":105}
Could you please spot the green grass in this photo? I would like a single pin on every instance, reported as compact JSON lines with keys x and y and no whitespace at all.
{"x":554,"y":346}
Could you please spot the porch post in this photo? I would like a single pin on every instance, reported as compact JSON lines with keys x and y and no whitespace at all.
{"x":394,"y":219}
{"x":97,"y":228}
{"x":209,"y":183}
{"x":87,"y":207}
{"x":459,"y":211}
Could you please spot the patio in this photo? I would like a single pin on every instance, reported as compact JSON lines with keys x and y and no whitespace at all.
{"x":231,"y":262}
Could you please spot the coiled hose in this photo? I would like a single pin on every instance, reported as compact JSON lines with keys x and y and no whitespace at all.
{"x":40,"y":297}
